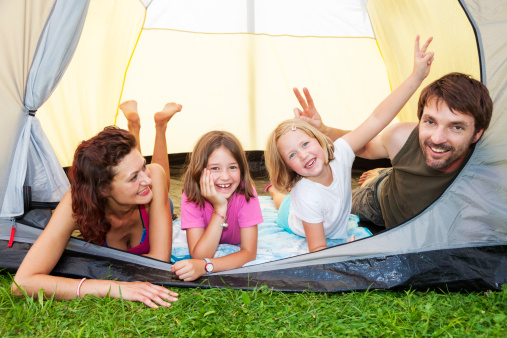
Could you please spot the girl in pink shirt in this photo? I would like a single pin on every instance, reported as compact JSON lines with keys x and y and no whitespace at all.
{"x":219,"y":205}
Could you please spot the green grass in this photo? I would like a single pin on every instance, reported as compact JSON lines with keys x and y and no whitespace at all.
{"x":230,"y":313}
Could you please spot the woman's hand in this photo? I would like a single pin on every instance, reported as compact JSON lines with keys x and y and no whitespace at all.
{"x":209,"y":192}
{"x":189,"y":269}
{"x":144,"y":292}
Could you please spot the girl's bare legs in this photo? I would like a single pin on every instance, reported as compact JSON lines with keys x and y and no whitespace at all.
{"x":160,"y":149}
{"x":277,"y":196}
{"x":129,"y":109}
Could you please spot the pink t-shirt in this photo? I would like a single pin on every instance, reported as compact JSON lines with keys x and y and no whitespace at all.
{"x":240,"y":214}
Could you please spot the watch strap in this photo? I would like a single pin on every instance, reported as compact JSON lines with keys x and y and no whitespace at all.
{"x":208,"y":263}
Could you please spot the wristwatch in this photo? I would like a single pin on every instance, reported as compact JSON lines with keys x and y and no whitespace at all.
{"x":208,"y":267}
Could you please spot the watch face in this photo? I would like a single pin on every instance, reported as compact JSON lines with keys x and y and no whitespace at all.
{"x":209,"y":267}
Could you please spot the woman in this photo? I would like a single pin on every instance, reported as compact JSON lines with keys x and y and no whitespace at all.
{"x":115,"y":200}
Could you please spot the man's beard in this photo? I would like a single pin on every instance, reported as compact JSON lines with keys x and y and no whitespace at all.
{"x":439,"y":164}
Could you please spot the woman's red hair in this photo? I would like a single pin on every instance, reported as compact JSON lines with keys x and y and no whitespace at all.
{"x":91,"y":174}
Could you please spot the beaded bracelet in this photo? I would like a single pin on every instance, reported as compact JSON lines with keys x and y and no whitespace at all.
{"x":79,"y":286}
{"x":224,"y":223}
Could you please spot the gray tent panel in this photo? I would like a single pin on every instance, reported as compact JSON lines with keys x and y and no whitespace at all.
{"x":55,"y":48}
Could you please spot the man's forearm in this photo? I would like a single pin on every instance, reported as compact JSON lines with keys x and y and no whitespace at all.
{"x":334,"y":133}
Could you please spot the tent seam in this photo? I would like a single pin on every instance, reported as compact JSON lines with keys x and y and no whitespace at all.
{"x":265,"y":34}
{"x":128,"y":65}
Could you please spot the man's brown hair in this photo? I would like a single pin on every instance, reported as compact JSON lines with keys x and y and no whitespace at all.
{"x":462,"y":94}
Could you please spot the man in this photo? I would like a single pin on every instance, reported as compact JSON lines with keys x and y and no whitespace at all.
{"x":454,"y":111}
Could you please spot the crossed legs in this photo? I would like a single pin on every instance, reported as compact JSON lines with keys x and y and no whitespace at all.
{"x":129,"y":109}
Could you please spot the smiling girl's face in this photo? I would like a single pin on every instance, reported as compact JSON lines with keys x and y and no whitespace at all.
{"x":132,"y":183}
{"x":225,"y":171}
{"x":304,"y":155}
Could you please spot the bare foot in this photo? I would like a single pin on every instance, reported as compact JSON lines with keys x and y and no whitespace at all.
{"x":163,"y":116}
{"x":352,"y":239}
{"x":129,"y":109}
{"x":368,"y":175}
{"x":271,"y":190}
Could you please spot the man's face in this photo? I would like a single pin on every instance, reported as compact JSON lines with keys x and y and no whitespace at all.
{"x":445,"y":136}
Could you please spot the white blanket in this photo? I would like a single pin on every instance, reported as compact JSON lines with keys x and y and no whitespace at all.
{"x":273,"y":242}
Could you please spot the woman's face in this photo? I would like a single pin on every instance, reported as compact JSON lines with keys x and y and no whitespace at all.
{"x":132,"y":183}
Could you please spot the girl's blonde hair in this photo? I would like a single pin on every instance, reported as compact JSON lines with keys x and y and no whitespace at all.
{"x":279,"y":172}
{"x":206,"y":145}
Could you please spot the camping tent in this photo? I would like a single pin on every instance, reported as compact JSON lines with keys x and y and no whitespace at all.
{"x":232,"y":65}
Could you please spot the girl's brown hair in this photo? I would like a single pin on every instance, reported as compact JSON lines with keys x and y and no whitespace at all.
{"x":206,"y":145}
{"x":279,"y":172}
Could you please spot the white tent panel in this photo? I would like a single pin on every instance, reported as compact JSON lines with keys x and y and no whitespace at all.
{"x":237,"y":82}
{"x":243,"y":82}
{"x":345,"y":18}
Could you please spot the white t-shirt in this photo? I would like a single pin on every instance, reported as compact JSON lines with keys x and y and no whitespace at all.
{"x":314,"y":203}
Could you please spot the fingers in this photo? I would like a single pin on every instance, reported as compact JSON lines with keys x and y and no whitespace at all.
{"x":207,"y":183}
{"x":423,"y":59}
{"x":306,"y":119}
{"x":204,"y":182}
{"x":300,"y":98}
{"x":426,"y":44}
{"x":421,"y":52}
{"x":300,"y":115}
{"x":160,"y":295}
{"x":149,"y":294}
{"x":185,"y":270}
{"x":174,"y":294}
{"x":428,"y":58}
{"x":167,"y":294}
{"x":151,"y":300}
{"x":424,"y":47}
{"x":309,"y":98}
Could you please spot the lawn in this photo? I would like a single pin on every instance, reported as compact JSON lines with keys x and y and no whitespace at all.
{"x":263,"y":312}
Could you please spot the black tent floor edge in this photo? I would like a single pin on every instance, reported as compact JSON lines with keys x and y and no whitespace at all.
{"x":462,"y":269}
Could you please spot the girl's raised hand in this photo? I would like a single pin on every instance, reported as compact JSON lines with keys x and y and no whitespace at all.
{"x":209,"y":192}
{"x":147,"y":293}
{"x":422,"y":58}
